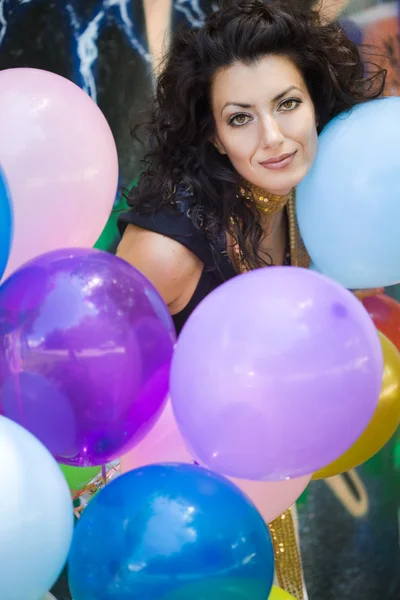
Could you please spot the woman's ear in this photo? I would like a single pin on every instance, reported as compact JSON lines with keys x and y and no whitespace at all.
{"x":216,"y":142}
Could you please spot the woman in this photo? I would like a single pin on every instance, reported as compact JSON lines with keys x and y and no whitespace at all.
{"x":240,"y":103}
{"x":239,"y":106}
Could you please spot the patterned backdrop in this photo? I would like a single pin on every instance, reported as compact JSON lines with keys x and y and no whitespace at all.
{"x":349,"y":525}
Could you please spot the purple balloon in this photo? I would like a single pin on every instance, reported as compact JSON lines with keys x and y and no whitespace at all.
{"x":275,"y":374}
{"x":85,"y":349}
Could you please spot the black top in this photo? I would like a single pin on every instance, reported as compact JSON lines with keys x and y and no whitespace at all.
{"x":177,"y":225}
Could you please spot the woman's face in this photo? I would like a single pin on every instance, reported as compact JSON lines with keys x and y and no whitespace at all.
{"x":265,"y":122}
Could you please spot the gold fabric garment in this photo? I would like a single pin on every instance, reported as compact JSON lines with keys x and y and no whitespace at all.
{"x":298,"y":254}
{"x":288,"y":567}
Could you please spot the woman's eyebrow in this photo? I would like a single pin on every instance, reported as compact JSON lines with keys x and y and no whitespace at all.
{"x":278,"y":97}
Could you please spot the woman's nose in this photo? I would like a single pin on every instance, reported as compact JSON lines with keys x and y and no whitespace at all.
{"x":271,"y":134}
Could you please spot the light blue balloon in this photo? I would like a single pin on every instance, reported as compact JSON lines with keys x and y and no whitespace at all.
{"x":348,"y":206}
{"x":36,"y":515}
{"x":5,"y":223}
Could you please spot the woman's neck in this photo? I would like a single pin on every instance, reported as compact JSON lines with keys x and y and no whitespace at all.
{"x":274,"y":223}
{"x":271,"y":223}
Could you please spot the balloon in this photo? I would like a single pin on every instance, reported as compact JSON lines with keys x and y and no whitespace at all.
{"x":278,"y":594}
{"x":384,"y":422}
{"x":78,"y":477}
{"x":275,"y":374}
{"x":385,"y":313}
{"x":165,"y":444}
{"x":5,"y":224}
{"x":171,"y":529}
{"x":347,"y":205}
{"x":60,"y":159}
{"x":37,"y":516}
{"x":85,"y":350}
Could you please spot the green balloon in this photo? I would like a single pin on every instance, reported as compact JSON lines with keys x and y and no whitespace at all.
{"x":78,"y":477}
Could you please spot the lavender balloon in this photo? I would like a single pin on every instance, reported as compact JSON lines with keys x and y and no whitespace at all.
{"x":275,"y":374}
{"x":85,"y":350}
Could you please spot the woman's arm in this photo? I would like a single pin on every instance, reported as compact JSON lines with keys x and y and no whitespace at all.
{"x":157,"y":16}
{"x":170,"y":266}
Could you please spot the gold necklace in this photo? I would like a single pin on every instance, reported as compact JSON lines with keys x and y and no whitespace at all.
{"x":298,"y":254}
{"x":267,"y":204}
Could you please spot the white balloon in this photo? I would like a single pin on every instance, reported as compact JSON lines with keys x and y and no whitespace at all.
{"x":36,"y":511}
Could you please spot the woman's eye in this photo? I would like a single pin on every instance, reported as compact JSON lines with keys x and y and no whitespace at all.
{"x":239,"y":120}
{"x":290,"y":104}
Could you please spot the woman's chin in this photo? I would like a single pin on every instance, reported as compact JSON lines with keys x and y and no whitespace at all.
{"x":283,"y":192}
{"x":282,"y":186}
{"x":290,"y":181}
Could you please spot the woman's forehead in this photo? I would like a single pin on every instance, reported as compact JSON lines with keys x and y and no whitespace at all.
{"x":265,"y":78}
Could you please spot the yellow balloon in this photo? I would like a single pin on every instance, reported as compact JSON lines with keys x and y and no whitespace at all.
{"x":384,"y":422}
{"x":278,"y":594}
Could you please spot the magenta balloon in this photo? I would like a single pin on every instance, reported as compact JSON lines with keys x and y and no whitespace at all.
{"x":60,"y":160}
{"x":85,"y":349}
{"x":275,"y":374}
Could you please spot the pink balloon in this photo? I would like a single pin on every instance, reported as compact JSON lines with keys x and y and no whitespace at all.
{"x":165,"y":444}
{"x":59,"y":156}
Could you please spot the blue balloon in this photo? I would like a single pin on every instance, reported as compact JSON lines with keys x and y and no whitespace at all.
{"x":5,"y":224}
{"x":171,"y":532}
{"x":348,"y":206}
{"x":36,"y":515}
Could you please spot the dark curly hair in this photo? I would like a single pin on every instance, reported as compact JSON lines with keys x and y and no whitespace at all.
{"x":181,"y":122}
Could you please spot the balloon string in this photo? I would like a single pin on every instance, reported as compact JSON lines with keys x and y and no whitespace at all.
{"x":287,"y":556}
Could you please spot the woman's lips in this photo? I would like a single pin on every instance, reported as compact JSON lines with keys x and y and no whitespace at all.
{"x":280,"y":162}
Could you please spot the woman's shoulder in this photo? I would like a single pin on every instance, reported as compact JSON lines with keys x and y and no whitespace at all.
{"x":181,"y":220}
{"x":166,"y":218}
